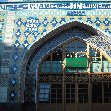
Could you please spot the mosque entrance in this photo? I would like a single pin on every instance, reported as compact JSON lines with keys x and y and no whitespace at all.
{"x":72,"y":78}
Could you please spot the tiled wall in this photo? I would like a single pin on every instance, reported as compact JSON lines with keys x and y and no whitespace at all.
{"x":45,"y":0}
{"x":21,"y":25}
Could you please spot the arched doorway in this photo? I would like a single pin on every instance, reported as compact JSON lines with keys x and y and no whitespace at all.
{"x":72,"y":77}
{"x":58,"y":38}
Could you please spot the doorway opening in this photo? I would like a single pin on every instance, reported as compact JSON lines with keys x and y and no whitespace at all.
{"x":73,"y":77}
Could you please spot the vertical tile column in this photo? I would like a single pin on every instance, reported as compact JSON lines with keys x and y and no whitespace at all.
{"x":7,"y":49}
{"x":7,"y":43}
{"x":3,"y":77}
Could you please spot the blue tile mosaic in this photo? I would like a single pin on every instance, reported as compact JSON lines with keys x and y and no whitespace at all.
{"x":45,"y":22}
{"x":54,"y":22}
{"x":106,"y":22}
{"x":17,"y":44}
{"x":98,"y":22}
{"x":25,"y":45}
{"x":12,"y":95}
{"x":34,"y":20}
{"x":13,"y":82}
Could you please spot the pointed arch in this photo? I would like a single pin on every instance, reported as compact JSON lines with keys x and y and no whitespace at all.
{"x":74,"y":29}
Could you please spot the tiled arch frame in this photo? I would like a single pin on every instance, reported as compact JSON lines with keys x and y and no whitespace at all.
{"x":75,"y":29}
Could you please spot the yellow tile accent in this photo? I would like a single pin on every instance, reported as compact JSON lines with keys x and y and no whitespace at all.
{"x":21,"y":39}
{"x":49,"y":27}
{"x":30,"y":39}
{"x":41,"y":28}
{"x":49,"y":18}
{"x":110,"y":27}
{"x":76,"y":17}
{"x":68,"y":17}
{"x":102,"y":17}
{"x":23,"y":19}
{"x":102,"y":27}
{"x":22,"y":28}
{"x":93,"y":17}
{"x":41,"y":19}
{"x":58,"y":18}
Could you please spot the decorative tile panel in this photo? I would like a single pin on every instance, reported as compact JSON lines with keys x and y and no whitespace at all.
{"x":22,"y":25}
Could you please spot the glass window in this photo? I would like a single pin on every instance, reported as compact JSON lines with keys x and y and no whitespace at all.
{"x":96,"y":67}
{"x":44,"y":93}
{"x":105,"y":66}
{"x":47,"y":64}
{"x":70,"y":93}
{"x":56,"y":93}
{"x":83,"y":93}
